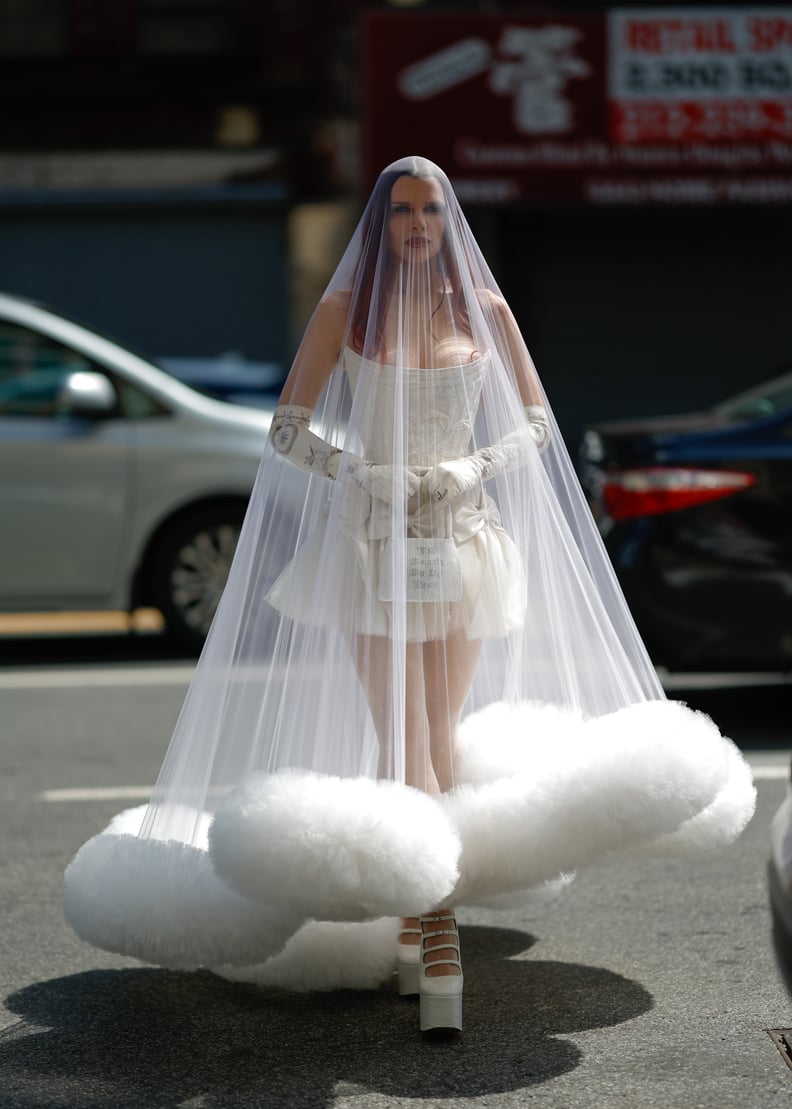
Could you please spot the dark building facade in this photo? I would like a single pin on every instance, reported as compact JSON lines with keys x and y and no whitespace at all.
{"x":165,"y":165}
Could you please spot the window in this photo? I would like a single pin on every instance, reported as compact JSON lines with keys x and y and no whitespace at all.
{"x":134,"y":403}
{"x":33,"y":369}
{"x":756,"y":404}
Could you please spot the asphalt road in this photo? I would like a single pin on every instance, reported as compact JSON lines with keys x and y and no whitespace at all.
{"x":645,"y":984}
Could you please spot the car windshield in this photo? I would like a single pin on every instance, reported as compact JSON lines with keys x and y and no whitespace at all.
{"x":758,"y":403}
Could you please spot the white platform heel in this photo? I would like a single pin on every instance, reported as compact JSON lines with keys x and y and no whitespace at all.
{"x":408,"y":958}
{"x":441,"y":994}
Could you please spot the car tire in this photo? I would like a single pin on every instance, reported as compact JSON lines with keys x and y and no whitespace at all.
{"x":190,"y":568}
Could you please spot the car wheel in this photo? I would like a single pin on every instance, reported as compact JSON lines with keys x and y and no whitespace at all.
{"x":190,"y":569}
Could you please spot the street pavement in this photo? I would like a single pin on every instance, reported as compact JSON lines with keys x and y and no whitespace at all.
{"x":645,"y":984}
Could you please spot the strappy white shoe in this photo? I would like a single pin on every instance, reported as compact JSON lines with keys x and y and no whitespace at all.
{"x":408,"y":958}
{"x":441,"y":994}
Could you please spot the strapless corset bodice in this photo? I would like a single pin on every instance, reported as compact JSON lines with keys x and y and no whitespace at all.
{"x":434,"y":408}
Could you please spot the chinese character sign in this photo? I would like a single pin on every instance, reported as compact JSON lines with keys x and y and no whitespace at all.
{"x":682,"y":105}
{"x":461,"y":89}
{"x":533,"y":66}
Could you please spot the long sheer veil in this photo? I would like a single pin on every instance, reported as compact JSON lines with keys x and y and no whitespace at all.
{"x":422,"y":681}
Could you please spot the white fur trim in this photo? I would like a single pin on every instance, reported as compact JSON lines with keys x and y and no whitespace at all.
{"x":127,"y":822}
{"x":526,"y":899}
{"x":325,"y":955}
{"x":184,"y":823}
{"x":499,"y":741}
{"x":335,"y":848}
{"x":717,"y":825}
{"x":580,"y":792}
{"x":161,"y":902}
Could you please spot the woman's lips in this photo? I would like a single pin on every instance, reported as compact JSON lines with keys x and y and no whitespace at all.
{"x":417,"y":241}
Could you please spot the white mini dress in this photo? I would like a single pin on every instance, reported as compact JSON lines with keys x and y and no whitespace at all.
{"x":439,"y":407}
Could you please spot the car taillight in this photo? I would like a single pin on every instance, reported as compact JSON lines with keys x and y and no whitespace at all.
{"x":649,"y":491}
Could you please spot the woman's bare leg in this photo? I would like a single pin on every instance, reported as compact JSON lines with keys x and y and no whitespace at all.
{"x":438,"y":676}
{"x":437,"y":679}
{"x":374,"y":663}
{"x":449,"y":668}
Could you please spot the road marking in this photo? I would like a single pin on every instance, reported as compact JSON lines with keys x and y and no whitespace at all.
{"x":92,"y":679}
{"x":770,"y":773}
{"x":106,"y":793}
{"x":180,"y":674}
{"x":762,"y":772}
{"x":110,"y":676}
{"x":729,"y":680}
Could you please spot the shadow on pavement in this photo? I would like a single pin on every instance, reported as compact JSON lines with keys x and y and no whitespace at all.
{"x":147,"y":1038}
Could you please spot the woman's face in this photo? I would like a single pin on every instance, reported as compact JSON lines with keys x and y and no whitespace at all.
{"x":416,"y":219}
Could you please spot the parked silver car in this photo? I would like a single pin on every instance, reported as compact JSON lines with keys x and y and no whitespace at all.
{"x":119,"y":485}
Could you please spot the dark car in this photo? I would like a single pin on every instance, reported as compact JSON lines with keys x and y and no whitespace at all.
{"x":780,"y":881}
{"x":696,"y":513}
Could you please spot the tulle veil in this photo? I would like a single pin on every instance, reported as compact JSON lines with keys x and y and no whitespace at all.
{"x":422,"y":681}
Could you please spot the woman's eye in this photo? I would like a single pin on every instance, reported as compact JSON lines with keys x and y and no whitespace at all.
{"x":400,"y":209}
{"x":434,"y":209}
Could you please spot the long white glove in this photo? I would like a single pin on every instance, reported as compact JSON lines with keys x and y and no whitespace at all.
{"x":538,"y":425}
{"x":379,"y":480}
{"x":447,"y":480}
{"x":291,"y":437}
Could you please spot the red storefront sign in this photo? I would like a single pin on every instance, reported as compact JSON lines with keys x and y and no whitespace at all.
{"x":639,"y":106}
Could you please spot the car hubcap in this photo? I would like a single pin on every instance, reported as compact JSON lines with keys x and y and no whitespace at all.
{"x":200,"y":573}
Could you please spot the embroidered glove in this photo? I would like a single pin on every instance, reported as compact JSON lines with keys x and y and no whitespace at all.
{"x":538,"y":425}
{"x":291,"y":437}
{"x":382,"y":481}
{"x":449,"y":479}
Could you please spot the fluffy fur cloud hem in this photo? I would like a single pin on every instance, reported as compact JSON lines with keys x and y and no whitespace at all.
{"x":325,"y":955}
{"x":161,"y":902}
{"x":545,"y":793}
{"x":340,"y":849}
{"x":654,"y":779}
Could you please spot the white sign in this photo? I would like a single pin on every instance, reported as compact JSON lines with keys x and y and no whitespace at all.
{"x":445,"y":69}
{"x":700,"y":75}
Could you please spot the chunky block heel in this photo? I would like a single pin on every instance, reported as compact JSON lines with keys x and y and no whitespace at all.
{"x":441,"y":994}
{"x":408,"y":974}
{"x":439,"y":1013}
{"x":408,"y":957}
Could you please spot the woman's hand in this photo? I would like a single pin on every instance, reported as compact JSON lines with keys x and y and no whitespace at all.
{"x":447,"y":480}
{"x":383,"y":481}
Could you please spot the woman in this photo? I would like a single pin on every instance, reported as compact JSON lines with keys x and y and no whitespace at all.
{"x":419,"y":328}
{"x":443,"y":562}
